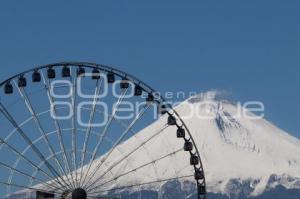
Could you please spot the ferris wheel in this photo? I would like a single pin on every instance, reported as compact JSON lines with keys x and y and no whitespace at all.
{"x":83,"y":130}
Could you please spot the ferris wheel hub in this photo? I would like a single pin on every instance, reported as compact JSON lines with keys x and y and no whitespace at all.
{"x":79,"y":193}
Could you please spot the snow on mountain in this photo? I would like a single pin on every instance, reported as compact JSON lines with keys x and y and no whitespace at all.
{"x":241,"y":156}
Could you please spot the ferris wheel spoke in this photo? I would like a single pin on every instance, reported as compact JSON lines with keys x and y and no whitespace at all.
{"x":29,"y":106}
{"x":127,"y":130}
{"x":104,"y":132}
{"x":57,"y":126}
{"x":74,"y":127}
{"x":11,"y":148}
{"x":89,"y":127}
{"x":73,"y":139}
{"x":53,"y":186}
{"x":140,"y":184}
{"x":126,"y":156}
{"x":136,"y":169}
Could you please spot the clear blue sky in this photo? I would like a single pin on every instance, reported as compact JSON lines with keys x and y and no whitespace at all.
{"x":250,"y":48}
